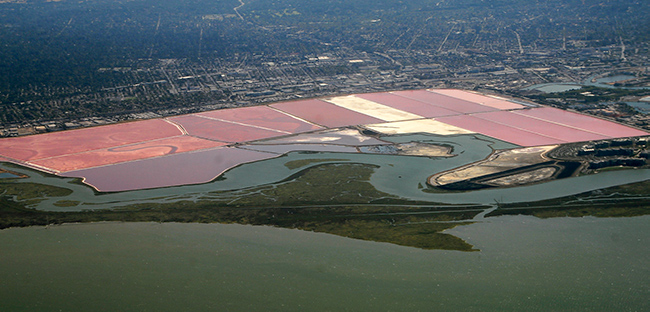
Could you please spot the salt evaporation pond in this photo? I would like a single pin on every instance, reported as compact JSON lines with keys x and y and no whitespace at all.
{"x":402,"y":176}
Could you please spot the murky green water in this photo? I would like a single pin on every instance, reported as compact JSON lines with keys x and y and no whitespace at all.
{"x":642,"y":107}
{"x":554,"y":87}
{"x":603,"y":82}
{"x":7,"y":175}
{"x":616,"y":78}
{"x":525,"y":264}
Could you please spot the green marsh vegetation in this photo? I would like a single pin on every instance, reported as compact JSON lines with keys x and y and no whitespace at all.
{"x":28,"y":193}
{"x":627,"y":200}
{"x":591,"y":94}
{"x":295,"y":164}
{"x":329,"y":198}
{"x":335,"y":198}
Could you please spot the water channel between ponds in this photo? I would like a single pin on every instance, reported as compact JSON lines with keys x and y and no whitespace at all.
{"x":7,"y":175}
{"x":403,"y":176}
{"x":603,"y":82}
{"x":642,"y":107}
{"x":524,"y":264}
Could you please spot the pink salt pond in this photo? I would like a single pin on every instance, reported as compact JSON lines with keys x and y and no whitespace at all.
{"x":196,"y":148}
